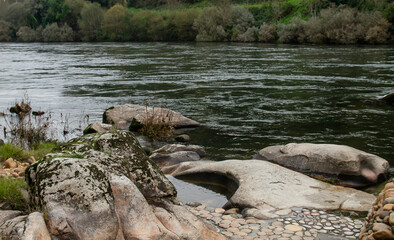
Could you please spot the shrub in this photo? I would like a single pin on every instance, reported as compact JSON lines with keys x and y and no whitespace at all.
{"x":292,"y":32}
{"x":5,"y":31}
{"x":26,"y":34}
{"x":242,"y":21}
{"x":249,"y":36}
{"x":54,"y":33}
{"x":348,"y":26}
{"x":183,"y":23}
{"x":148,"y":26}
{"x":212,"y":24}
{"x":267,"y":33}
{"x":116,"y":24}
{"x":314,"y":31}
{"x":90,"y":23}
{"x":11,"y":193}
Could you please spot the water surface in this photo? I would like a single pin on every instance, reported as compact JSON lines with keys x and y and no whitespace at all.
{"x":247,"y":96}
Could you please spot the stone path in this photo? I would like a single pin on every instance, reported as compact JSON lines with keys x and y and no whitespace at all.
{"x":307,"y":224}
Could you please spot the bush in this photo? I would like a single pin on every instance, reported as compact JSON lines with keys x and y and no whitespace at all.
{"x":267,"y":33}
{"x":116,"y":24}
{"x":213,"y":24}
{"x":26,"y":34}
{"x":242,"y":21}
{"x":148,"y":26}
{"x":292,"y":32}
{"x":183,"y":24}
{"x":348,"y":26}
{"x":314,"y":31}
{"x":92,"y":16}
{"x":54,"y":33}
{"x":11,"y":193}
{"x":5,"y":31}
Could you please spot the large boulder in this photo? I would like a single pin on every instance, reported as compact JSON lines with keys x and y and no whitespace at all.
{"x":347,"y":165}
{"x":267,"y":189}
{"x":103,"y":186}
{"x":123,"y":115}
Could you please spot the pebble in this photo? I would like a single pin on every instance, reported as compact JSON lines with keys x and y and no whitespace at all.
{"x":290,"y":226}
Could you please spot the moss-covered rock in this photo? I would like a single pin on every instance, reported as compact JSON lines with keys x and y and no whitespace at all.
{"x":89,"y":190}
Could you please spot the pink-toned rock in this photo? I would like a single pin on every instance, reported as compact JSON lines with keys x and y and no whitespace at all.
{"x":122,"y":115}
{"x":10,"y":163}
{"x":35,"y":227}
{"x":352,"y":167}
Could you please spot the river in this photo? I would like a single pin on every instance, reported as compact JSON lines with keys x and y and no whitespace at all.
{"x":246,"y":96}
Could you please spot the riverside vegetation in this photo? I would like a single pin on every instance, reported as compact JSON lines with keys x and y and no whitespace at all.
{"x":284,"y":21}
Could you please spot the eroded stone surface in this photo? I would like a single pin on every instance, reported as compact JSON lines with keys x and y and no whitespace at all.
{"x":350,"y":166}
{"x":268,"y":187}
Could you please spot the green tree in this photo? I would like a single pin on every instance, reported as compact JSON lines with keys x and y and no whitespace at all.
{"x":116,"y":24}
{"x":92,"y":16}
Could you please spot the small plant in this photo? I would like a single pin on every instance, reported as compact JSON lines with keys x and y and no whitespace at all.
{"x":11,"y":151}
{"x":25,"y":128}
{"x":11,"y":193}
{"x":157,"y":123}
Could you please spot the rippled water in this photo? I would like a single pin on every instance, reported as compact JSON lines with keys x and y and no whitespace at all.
{"x":247,"y":96}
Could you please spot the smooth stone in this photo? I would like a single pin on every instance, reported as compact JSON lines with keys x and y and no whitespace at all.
{"x":329,"y":159}
{"x":97,"y":127}
{"x":391,"y":219}
{"x":122,"y":115}
{"x":283,"y":212}
{"x":10,"y":163}
{"x":293,"y":228}
{"x":257,"y":178}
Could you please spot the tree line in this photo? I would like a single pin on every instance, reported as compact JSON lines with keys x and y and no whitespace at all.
{"x":286,"y":21}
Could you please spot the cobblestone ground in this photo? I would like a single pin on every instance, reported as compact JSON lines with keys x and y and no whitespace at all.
{"x":299,"y":224}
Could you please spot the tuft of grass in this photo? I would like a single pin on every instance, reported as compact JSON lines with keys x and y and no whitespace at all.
{"x":41,"y":149}
{"x":157,"y":124}
{"x":38,"y":151}
{"x":12,"y":151}
{"x":11,"y":193}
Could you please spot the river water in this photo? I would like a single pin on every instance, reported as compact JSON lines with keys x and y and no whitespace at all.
{"x":247,"y":96}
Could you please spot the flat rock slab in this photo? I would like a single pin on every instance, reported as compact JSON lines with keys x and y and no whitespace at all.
{"x":269,"y":187}
{"x":350,"y":166}
{"x":122,"y":116}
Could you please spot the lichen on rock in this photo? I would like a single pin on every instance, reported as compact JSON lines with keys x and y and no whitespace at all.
{"x":75,"y":190}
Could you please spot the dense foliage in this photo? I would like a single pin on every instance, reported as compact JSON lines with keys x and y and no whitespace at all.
{"x":285,"y":21}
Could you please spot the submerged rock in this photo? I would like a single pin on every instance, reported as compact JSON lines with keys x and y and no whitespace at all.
{"x":265,"y":187}
{"x":351,"y":167}
{"x":20,"y":108}
{"x":123,"y":115}
{"x":389,"y":98}
{"x":103,"y":186}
